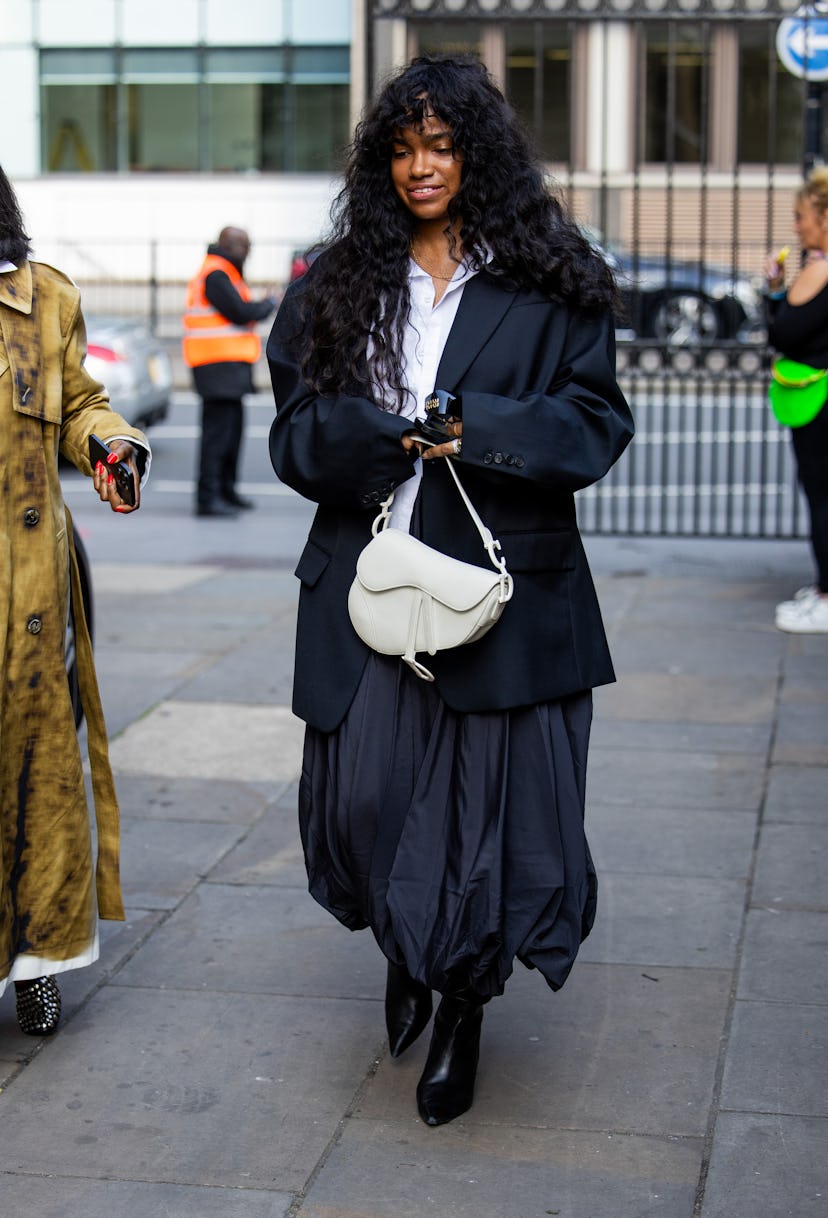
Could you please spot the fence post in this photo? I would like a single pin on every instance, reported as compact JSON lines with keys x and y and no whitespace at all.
{"x":153,"y":287}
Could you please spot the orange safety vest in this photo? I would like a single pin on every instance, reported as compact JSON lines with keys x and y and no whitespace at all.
{"x":209,"y":338}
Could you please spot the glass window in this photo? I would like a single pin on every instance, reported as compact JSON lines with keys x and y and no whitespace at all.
{"x":450,"y":37}
{"x":674,"y":83}
{"x":79,"y":126}
{"x":538,"y":67}
{"x":185,"y":109}
{"x":163,"y":128}
{"x":767,"y":133}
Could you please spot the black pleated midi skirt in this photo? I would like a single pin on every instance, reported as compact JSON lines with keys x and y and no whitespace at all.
{"x":458,"y":838}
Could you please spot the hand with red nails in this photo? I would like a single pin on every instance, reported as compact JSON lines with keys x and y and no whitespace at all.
{"x":104,"y":480}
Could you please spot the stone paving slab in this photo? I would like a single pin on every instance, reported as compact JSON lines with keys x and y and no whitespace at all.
{"x":261,"y":940}
{"x":773,"y":1166}
{"x":263,"y":664}
{"x":671,"y":841}
{"x":696,"y":604}
{"x":777,"y":1060}
{"x":58,"y":1197}
{"x":161,"y":861}
{"x":679,"y":921}
{"x":636,"y":778}
{"x":658,"y":736}
{"x":378,"y":1170}
{"x":713,"y":652}
{"x":784,"y":957}
{"x":801,"y":734}
{"x":210,"y":740}
{"x":151,"y":579}
{"x":790,"y":869}
{"x":688,"y":698}
{"x":271,"y":853}
{"x":133,"y":681}
{"x":173,"y":623}
{"x":154,"y":798}
{"x":183,"y":1088}
{"x":797,"y":793}
{"x":619,"y":1049}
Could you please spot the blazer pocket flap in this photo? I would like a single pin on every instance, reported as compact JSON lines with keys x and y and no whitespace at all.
{"x":552,"y":550}
{"x":312,"y":562}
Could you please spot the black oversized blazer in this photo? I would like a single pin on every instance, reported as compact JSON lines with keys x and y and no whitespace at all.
{"x":542,"y":417}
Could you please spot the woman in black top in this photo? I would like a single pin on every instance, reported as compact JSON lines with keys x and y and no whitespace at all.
{"x":798,"y":329}
{"x":448,"y":817}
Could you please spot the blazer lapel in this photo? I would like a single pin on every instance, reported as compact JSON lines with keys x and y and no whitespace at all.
{"x":481,"y":310}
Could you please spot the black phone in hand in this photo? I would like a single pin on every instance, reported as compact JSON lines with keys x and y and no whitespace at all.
{"x":124,"y":481}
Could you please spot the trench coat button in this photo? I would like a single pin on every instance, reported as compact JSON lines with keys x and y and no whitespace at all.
{"x":487,"y":458}
{"x":34,"y":625}
{"x":31,"y":516}
{"x":519,"y":462}
{"x":498,"y":458}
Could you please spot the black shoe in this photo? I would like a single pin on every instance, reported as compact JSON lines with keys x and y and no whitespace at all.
{"x":217,"y":508}
{"x":407,"y":1008}
{"x":38,"y":1006}
{"x":446,"y":1087}
{"x":239,"y":501}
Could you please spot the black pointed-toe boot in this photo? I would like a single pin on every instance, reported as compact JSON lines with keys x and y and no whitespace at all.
{"x":446,"y":1087}
{"x":407,"y":1008}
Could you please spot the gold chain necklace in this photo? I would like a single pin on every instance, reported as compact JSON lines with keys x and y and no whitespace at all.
{"x":428,"y":271}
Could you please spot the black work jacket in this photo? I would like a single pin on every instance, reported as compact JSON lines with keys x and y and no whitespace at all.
{"x":542,"y":417}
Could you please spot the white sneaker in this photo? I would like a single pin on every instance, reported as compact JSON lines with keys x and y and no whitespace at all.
{"x":804,"y":594}
{"x":806,"y":616}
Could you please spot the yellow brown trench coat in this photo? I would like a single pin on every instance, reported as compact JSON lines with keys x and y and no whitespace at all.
{"x":48,"y":402}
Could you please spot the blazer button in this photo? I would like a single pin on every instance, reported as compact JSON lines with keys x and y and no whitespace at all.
{"x":498,"y":458}
{"x":487,"y":458}
{"x":31,"y":516}
{"x":510,"y":459}
{"x":519,"y":462}
{"x":34,"y":625}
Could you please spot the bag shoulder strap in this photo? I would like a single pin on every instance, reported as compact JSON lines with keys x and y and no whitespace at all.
{"x":490,"y":544}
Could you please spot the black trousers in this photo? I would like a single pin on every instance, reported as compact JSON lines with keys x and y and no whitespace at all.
{"x":811,"y":448}
{"x":222,"y":424}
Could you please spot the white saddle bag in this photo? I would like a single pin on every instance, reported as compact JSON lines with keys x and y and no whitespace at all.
{"x":408,"y":598}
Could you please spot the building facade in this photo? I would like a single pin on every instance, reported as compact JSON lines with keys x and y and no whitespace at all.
{"x":669,"y":123}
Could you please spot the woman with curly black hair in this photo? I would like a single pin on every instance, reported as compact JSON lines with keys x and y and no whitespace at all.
{"x":448,"y":816}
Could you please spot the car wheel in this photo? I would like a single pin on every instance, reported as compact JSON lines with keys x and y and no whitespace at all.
{"x":683,"y":318}
{"x":71,"y":650}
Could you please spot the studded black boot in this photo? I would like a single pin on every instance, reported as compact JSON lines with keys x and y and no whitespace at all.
{"x":38,"y":1006}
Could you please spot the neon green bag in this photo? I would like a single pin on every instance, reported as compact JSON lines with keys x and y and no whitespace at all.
{"x":797,"y":392}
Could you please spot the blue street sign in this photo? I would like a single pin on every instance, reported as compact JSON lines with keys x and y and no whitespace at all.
{"x":802,"y":42}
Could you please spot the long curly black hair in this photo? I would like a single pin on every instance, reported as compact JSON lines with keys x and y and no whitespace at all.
{"x":505,"y":208}
{"x":14,"y":244}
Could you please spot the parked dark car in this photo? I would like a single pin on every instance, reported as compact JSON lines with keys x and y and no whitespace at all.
{"x":681,"y":303}
{"x":133,"y":365}
{"x":86,"y":608}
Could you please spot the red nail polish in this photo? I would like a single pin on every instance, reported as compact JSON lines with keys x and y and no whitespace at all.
{"x":99,"y":467}
{"x":111,"y":479}
{"x":112,"y":458}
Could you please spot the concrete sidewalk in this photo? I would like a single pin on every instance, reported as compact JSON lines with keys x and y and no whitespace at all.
{"x":226,"y":1056}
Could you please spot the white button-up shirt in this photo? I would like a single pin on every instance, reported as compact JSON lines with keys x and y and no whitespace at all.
{"x":425,"y":338}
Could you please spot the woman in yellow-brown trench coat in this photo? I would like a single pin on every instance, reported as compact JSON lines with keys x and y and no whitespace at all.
{"x":50,"y":891}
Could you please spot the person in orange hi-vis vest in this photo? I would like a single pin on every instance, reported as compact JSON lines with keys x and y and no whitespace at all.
{"x":221,"y":345}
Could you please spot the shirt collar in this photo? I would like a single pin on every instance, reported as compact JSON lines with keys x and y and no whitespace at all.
{"x":7,"y":266}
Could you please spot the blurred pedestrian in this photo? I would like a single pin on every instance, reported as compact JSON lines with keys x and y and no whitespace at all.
{"x":798,"y":329}
{"x":221,"y":345}
{"x":448,"y":816}
{"x":48,"y":404}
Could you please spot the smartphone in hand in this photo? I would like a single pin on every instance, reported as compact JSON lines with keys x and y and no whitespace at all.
{"x":98,"y":451}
